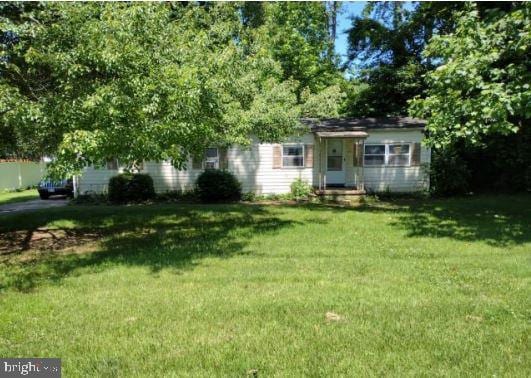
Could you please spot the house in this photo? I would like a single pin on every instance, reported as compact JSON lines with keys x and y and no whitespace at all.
{"x":354,"y":154}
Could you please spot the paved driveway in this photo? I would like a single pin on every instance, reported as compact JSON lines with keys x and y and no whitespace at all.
{"x":18,"y":207}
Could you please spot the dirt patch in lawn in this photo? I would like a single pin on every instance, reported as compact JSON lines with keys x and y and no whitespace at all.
{"x":26,"y":243}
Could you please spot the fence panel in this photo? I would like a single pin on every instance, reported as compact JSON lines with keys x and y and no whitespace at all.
{"x":20,"y":174}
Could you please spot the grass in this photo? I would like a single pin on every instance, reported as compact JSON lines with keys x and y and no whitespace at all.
{"x":424,"y":287}
{"x":18,"y":196}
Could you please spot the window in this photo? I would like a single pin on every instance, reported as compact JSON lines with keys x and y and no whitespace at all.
{"x":335,"y":155}
{"x":293,"y":155}
{"x":375,"y":154}
{"x":112,"y":164}
{"x":392,"y":154}
{"x":211,"y":158}
{"x":398,"y":154}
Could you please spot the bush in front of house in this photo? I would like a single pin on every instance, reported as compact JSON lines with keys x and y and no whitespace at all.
{"x":300,"y":189}
{"x":215,"y":185}
{"x":183,"y":196}
{"x":140,"y":188}
{"x":249,"y":197}
{"x":127,"y":187}
{"x":449,"y":174}
{"x":118,"y":188}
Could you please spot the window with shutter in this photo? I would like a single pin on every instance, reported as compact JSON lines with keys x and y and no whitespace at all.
{"x":292,"y":155}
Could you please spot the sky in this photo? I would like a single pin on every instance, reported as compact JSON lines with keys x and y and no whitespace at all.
{"x":348,"y":10}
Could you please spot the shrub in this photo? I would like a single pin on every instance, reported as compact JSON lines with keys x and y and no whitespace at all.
{"x":90,"y":199}
{"x":214,"y":185}
{"x":449,"y":174}
{"x":177,"y":196}
{"x":300,"y":189}
{"x":140,"y":188}
{"x":118,"y":188}
{"x":249,"y":197}
{"x":128,"y":187}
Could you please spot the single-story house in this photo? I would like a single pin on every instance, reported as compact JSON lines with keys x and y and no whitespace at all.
{"x":351,"y":154}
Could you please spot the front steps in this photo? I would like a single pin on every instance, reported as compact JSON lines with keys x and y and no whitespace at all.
{"x":345,"y":196}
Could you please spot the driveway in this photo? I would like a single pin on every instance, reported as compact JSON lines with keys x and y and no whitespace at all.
{"x":19,"y":207}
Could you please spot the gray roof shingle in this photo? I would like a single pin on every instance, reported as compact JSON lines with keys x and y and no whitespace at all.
{"x":360,"y":124}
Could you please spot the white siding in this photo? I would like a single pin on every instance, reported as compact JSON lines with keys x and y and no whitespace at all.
{"x":94,"y":180}
{"x":397,"y":179}
{"x":253,"y":166}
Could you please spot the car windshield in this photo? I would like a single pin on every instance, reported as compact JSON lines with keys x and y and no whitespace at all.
{"x":53,"y":183}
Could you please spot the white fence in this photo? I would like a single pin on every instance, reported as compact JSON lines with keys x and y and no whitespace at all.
{"x":19,"y":175}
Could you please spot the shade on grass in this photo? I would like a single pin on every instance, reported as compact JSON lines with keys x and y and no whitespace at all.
{"x":415,"y":287}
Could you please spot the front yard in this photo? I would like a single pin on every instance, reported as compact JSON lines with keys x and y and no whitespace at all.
{"x":432,"y":287}
{"x":18,"y":196}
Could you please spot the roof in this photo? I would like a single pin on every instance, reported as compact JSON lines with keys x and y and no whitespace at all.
{"x":342,"y":134}
{"x":362,"y":124}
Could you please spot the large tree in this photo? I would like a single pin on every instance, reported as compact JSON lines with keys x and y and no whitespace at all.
{"x":482,"y":86}
{"x":89,"y":82}
{"x":300,"y":36}
{"x":385,"y":48}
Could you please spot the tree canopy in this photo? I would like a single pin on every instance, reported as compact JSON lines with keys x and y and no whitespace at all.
{"x":89,"y":82}
{"x":386,"y":45}
{"x":482,"y":86}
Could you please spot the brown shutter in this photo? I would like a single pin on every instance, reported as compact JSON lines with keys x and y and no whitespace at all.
{"x":308,"y":155}
{"x":112,"y":164}
{"x":415,"y":154}
{"x":223,"y":158}
{"x":277,"y":156}
{"x":197,"y":162}
{"x":358,"y":154}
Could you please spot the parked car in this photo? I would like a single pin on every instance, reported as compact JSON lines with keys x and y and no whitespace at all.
{"x":49,"y":188}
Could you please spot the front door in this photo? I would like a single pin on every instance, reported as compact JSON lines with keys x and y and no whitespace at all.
{"x":335,"y":167}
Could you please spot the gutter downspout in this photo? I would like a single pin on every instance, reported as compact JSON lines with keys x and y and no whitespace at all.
{"x":75,"y":186}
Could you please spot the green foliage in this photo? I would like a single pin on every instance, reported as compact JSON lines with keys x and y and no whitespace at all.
{"x":139,"y":82}
{"x":249,"y":197}
{"x":386,"y":45}
{"x":449,"y":173}
{"x":126,"y":187}
{"x":498,"y":164}
{"x":482,"y":86}
{"x":185,"y":196}
{"x":91,"y":199}
{"x":224,"y":289}
{"x":298,"y":37}
{"x":325,"y":104}
{"x":117,"y":190}
{"x":357,"y":99}
{"x":216,"y":185}
{"x":384,"y":90}
{"x":140,"y":188}
{"x":300,"y":189}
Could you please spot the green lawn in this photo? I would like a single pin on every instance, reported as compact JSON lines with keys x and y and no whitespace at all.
{"x":421,"y":287}
{"x":21,"y":196}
